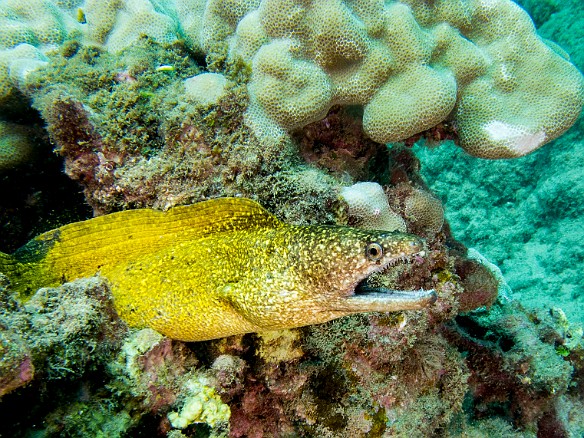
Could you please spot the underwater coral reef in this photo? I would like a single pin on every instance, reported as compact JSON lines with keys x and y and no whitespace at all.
{"x":378,"y":244}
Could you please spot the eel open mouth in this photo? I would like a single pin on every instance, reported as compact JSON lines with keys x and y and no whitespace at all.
{"x":369,"y":297}
{"x":388,"y":300}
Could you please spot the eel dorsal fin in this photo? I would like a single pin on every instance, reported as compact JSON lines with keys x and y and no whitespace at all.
{"x":80,"y":249}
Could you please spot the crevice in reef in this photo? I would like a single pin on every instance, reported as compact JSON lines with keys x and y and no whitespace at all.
{"x":37,"y":196}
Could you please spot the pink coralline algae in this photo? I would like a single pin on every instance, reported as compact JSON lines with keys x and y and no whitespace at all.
{"x":16,"y":368}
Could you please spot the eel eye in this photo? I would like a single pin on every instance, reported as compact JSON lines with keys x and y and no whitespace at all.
{"x":374,"y":251}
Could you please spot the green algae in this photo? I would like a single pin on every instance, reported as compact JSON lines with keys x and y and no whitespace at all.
{"x":127,"y":90}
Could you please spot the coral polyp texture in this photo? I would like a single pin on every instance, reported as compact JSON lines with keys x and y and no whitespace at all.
{"x":479,"y":64}
{"x":411,"y":65}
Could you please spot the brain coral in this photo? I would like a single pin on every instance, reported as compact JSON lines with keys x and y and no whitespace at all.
{"x":411,"y":64}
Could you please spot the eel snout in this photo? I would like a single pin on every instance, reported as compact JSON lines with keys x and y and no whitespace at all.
{"x":373,"y":298}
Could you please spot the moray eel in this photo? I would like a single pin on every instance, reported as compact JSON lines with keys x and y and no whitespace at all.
{"x":219,"y":268}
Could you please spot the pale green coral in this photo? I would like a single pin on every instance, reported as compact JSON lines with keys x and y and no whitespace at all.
{"x":15,"y":65}
{"x":25,"y":28}
{"x":412,"y":65}
{"x":15,"y":145}
{"x":202,"y":405}
{"x":37,"y":22}
{"x":206,"y":88}
{"x":129,"y":20}
{"x":46,"y":25}
{"x":292,"y":92}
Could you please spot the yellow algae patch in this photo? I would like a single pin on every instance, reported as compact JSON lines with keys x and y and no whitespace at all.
{"x":280,"y":346}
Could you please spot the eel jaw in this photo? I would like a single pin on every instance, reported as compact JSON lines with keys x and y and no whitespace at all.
{"x":369,"y":299}
{"x":364,"y":298}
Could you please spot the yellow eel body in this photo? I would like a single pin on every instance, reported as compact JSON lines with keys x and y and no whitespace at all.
{"x":219,"y":268}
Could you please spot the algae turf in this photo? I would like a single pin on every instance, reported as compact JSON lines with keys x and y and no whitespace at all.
{"x":125,"y":90}
{"x":355,"y":376}
{"x":131,"y":140}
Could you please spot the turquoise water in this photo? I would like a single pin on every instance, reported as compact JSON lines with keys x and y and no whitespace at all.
{"x":527,"y":214}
